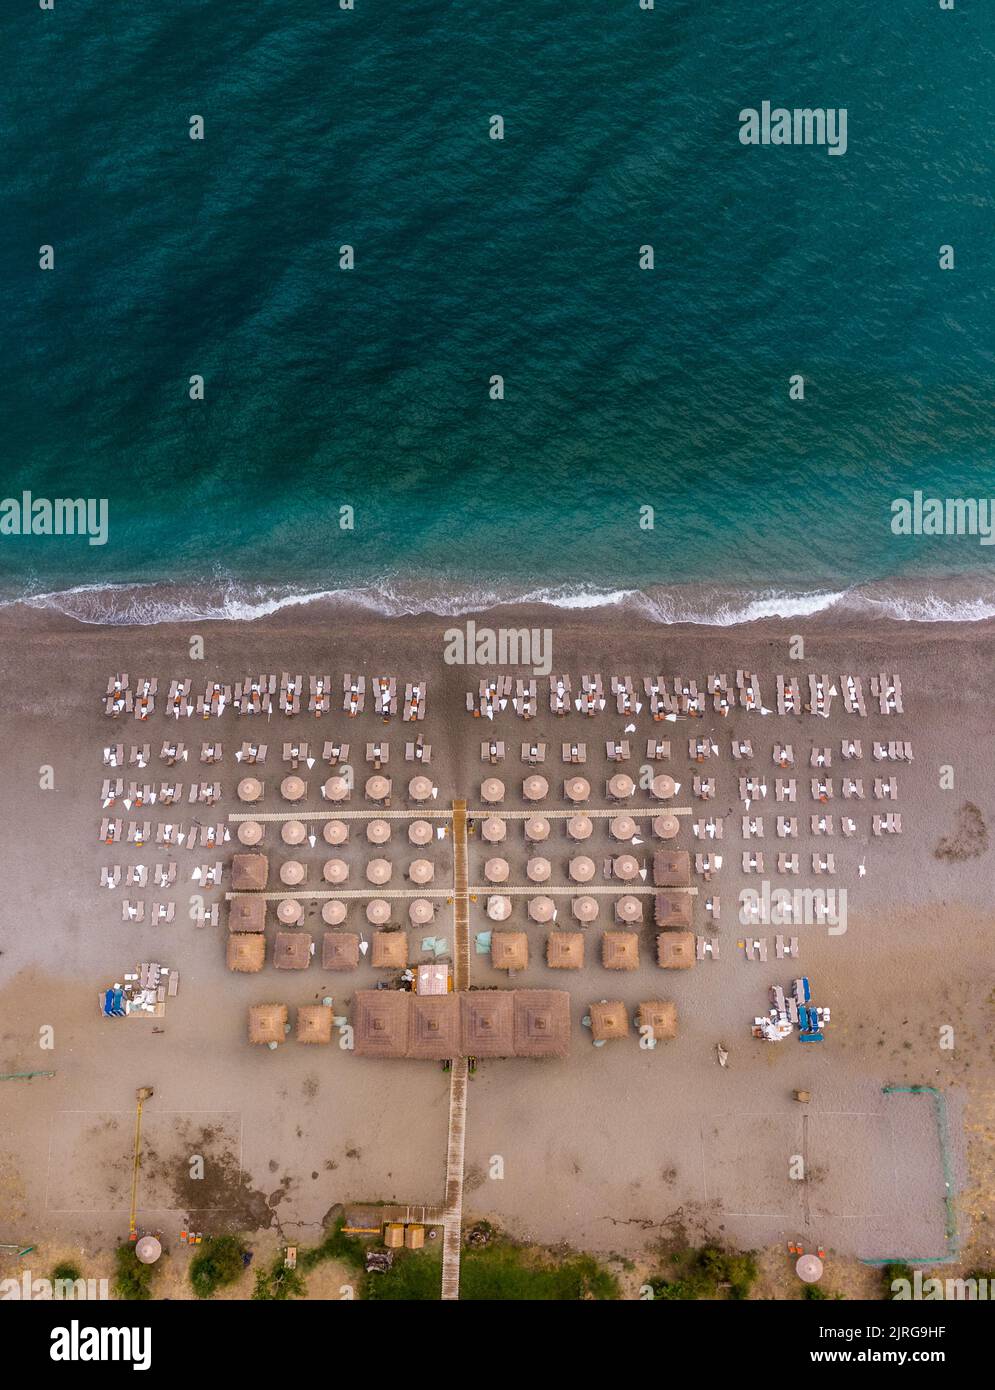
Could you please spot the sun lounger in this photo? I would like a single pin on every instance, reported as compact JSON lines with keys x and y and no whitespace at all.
{"x":789,"y":695}
{"x":787,"y":827}
{"x":110,"y":831}
{"x":820,"y":757}
{"x":335,"y":753}
{"x":822,"y":789}
{"x":418,"y":751}
{"x":139,"y":755}
{"x":749,"y":690}
{"x":559,"y":694}
{"x":525,"y":701}
{"x":658,"y":749}
{"x":853,"y":694}
{"x":110,"y":875}
{"x":822,"y":825}
{"x":378,"y":754}
{"x":491,"y":750}
{"x":742,"y":748}
{"x":533,"y":752}
{"x":784,"y":755}
{"x":753,"y":861}
{"x":853,"y":788}
{"x":787,"y":863}
{"x":851,"y":748}
{"x":823,"y":864}
{"x":785,"y":789}
{"x":210,"y":752}
{"x":319,"y":695}
{"x":885,"y":788}
{"x":704,"y":788}
{"x":354,"y":695}
{"x":709,"y":828}
{"x":132,"y":911}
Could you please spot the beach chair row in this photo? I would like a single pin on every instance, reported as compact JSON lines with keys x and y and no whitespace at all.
{"x":258,"y":694}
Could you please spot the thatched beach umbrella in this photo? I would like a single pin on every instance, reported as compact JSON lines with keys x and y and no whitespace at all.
{"x":535,"y":787}
{"x":289,"y":912}
{"x":377,"y":787}
{"x":250,"y":789}
{"x":293,"y":832}
{"x":582,"y":868}
{"x":292,"y":950}
{"x":246,"y":951}
{"x":390,"y":950}
{"x":623,"y":828}
{"x":249,"y":832}
{"x":492,"y":790}
{"x":293,"y":788}
{"x":565,"y":950}
{"x":576,"y":789}
{"x":335,"y":871}
{"x":249,"y":871}
{"x":487,"y":1022}
{"x":541,"y":1022}
{"x":421,"y":871}
{"x":496,"y":870}
{"x":267,"y":1023}
{"x":509,"y":950}
{"x":314,"y":1023}
{"x":339,"y":950}
{"x":434,"y":1027}
{"x":421,"y":912}
{"x":620,"y":950}
{"x":498,"y":908}
{"x":629,"y":909}
{"x":333,"y":912}
{"x":537,"y":829}
{"x":580,"y":827}
{"x":247,"y":914}
{"x":336,"y":788}
{"x":665,"y":827}
{"x":493,"y":830}
{"x":380,"y":1019}
{"x":292,"y":872}
{"x":626,"y":867}
{"x":335,"y":832}
{"x":663,"y":786}
{"x":672,"y":868}
{"x":420,"y":832}
{"x":542,"y":909}
{"x":675,"y":950}
{"x":379,"y":872}
{"x":539,"y":869}
{"x":420,"y":788}
{"x":378,"y":832}
{"x":660,"y":1016}
{"x":585,"y":908}
{"x":672,"y":910}
{"x":621,"y":786}
{"x":378,"y":911}
{"x":609,"y":1020}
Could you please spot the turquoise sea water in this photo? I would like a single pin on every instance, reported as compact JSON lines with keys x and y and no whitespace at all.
{"x":624,"y":388}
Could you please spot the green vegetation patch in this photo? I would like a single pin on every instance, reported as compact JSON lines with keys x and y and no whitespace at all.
{"x":132,"y":1279}
{"x":218,"y":1262}
{"x":708,"y":1273}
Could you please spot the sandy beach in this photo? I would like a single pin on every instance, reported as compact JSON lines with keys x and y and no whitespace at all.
{"x":615,"y":1149}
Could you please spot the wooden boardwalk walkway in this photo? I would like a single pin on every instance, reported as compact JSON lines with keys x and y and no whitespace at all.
{"x":452,"y":1226}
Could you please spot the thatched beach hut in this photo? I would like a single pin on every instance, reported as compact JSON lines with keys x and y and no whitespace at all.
{"x":487,"y":1023}
{"x":672,"y":910}
{"x":660,"y":1015}
{"x":292,"y":950}
{"x":339,"y":950}
{"x":249,"y":872}
{"x":675,"y":950}
{"x":541,"y":1022}
{"x":434,"y":1028}
{"x":609,"y":1020}
{"x":509,"y":950}
{"x":380,"y":1019}
{"x":565,"y":950}
{"x":246,"y":952}
{"x":672,"y":868}
{"x":267,"y":1023}
{"x":390,"y":950}
{"x":620,"y":950}
{"x":247,"y":915}
{"x":314,"y":1023}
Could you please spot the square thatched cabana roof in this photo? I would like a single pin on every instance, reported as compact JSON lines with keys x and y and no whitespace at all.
{"x":339,"y":950}
{"x":246,"y":951}
{"x":249,"y":871}
{"x":565,"y":950}
{"x":542,"y":1022}
{"x":380,"y":1021}
{"x":620,"y":950}
{"x":390,"y":950}
{"x":267,"y":1023}
{"x":672,"y":868}
{"x":609,"y":1020}
{"x":292,"y":950}
{"x":672,"y":910}
{"x":314,"y":1023}
{"x":247,"y":914}
{"x":509,"y":950}
{"x":661,"y":1016}
{"x":434,"y":1027}
{"x":487,"y":1023}
{"x":675,"y":950}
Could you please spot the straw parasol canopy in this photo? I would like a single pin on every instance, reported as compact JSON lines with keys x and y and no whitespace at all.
{"x":537,"y":829}
{"x":292,"y":872}
{"x":250,"y":789}
{"x":314,"y":1023}
{"x":580,"y":827}
{"x":420,"y":788}
{"x":292,"y":950}
{"x":390,"y":950}
{"x":660,"y":1016}
{"x":492,"y":790}
{"x":565,"y":950}
{"x":620,"y":950}
{"x":247,"y":914}
{"x":498,"y":908}
{"x":377,"y":787}
{"x":421,"y":871}
{"x":339,"y":950}
{"x":421,"y":912}
{"x":148,"y":1249}
{"x":585,"y":908}
{"x":379,"y":871}
{"x":420,"y":832}
{"x":542,"y":909}
{"x":335,"y":871}
{"x":293,"y":832}
{"x":629,"y":909}
{"x":487,"y":1022}
{"x":623,"y":828}
{"x":434,"y":1027}
{"x":267,"y":1023}
{"x":378,"y":911}
{"x":378,"y":832}
{"x":665,"y":827}
{"x":380,"y":1020}
{"x":538,"y":869}
{"x":509,"y":950}
{"x":289,"y":912}
{"x":663,"y":786}
{"x":496,"y":870}
{"x":249,"y":832}
{"x":246,"y":952}
{"x":621,"y":786}
{"x":808,"y":1268}
{"x":609,"y":1020}
{"x":582,"y":868}
{"x":672,"y":910}
{"x":335,"y":832}
{"x":535,"y":787}
{"x":249,"y":871}
{"x":672,"y":868}
{"x":493,"y":830}
{"x":541,"y":1022}
{"x":675,"y":950}
{"x":336,"y":788}
{"x":626,"y":867}
{"x":292,"y":788}
{"x":333,"y":912}
{"x":576,"y":789}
